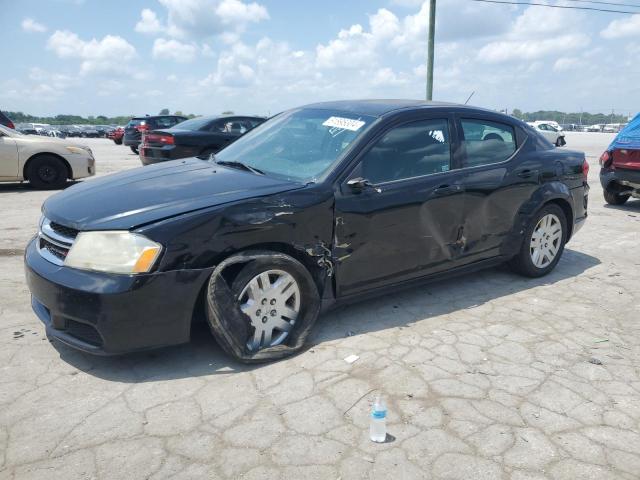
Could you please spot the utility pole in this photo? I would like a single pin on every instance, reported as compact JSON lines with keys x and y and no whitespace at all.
{"x":430,"y":42}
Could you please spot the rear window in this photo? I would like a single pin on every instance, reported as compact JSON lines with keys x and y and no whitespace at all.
{"x":487,"y":142}
{"x":134,"y":122}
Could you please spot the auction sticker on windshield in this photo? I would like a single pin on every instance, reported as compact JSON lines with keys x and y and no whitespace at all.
{"x":344,"y":123}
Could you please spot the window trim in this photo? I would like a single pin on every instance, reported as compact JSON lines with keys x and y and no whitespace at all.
{"x":464,"y":155}
{"x":453,"y":141}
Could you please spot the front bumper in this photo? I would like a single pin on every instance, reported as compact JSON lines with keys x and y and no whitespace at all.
{"x":109,"y":314}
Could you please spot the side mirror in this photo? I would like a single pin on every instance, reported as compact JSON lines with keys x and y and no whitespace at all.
{"x":359,"y":184}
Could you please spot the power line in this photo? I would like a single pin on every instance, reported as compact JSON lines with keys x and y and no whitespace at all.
{"x":606,"y":3}
{"x":569,"y":7}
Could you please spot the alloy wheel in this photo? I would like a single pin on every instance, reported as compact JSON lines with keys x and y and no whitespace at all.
{"x":271,"y":301}
{"x":546,"y":240}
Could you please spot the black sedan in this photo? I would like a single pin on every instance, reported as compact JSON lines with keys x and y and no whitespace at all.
{"x":196,"y":137}
{"x":317,"y":206}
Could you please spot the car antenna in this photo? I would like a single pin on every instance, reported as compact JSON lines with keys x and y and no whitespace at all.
{"x":467,"y":101}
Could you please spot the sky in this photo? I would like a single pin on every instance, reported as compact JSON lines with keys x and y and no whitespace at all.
{"x":121,"y":57}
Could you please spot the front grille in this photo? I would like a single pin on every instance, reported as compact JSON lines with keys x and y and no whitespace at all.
{"x":54,"y":249}
{"x":64,"y":231}
{"x":55,"y":241}
{"x":84,"y":332}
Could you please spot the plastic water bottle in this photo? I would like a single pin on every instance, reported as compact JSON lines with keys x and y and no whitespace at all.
{"x":378,"y":426}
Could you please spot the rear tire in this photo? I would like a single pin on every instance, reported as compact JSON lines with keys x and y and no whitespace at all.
{"x":47,"y":172}
{"x":543,"y":244}
{"x":232,"y":310}
{"x":118,"y":142}
{"x":614,"y":198}
{"x":134,"y":149}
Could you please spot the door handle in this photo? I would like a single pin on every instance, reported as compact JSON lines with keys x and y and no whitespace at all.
{"x":526,"y":173}
{"x":447,"y":189}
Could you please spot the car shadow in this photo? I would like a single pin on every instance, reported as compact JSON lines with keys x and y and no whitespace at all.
{"x":632,"y":205}
{"x":202,"y":356}
{"x":23,"y":187}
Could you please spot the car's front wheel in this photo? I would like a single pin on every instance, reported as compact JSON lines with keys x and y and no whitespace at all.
{"x":543,"y":243}
{"x":261,"y":305}
{"x":134,"y":149}
{"x":47,"y":172}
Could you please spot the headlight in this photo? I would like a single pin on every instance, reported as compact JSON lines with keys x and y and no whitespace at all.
{"x":80,"y":150}
{"x":114,"y":252}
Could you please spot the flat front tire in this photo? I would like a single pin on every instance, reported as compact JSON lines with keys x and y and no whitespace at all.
{"x":47,"y":172}
{"x":266,"y":311}
{"x":543,"y":243}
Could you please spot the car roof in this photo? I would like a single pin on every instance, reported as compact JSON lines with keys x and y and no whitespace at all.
{"x":380,"y":107}
{"x":148,"y":117}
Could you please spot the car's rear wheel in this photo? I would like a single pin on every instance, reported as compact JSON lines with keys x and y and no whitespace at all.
{"x":264,"y":311}
{"x":134,"y":149}
{"x":543,"y":243}
{"x":560,"y":142}
{"x":117,"y":141}
{"x":47,"y":172}
{"x":615,"y":198}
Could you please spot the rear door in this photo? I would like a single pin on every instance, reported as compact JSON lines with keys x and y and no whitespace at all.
{"x":498,"y":178}
{"x":406,"y":225}
{"x":9,"y":164}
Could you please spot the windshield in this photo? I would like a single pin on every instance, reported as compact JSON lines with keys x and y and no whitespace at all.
{"x":298,"y":145}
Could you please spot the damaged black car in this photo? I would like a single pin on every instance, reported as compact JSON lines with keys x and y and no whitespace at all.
{"x":320,"y":205}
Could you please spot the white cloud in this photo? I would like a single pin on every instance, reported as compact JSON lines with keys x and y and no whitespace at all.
{"x":174,"y":50}
{"x":31,"y":26}
{"x":207,"y":18}
{"x":148,"y":22}
{"x":567,"y":63}
{"x":536,"y":34}
{"x":355,"y":47}
{"x":111,"y":54}
{"x":626,"y":27}
{"x":530,"y":49}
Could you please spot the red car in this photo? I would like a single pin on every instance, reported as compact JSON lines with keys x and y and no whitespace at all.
{"x":116,"y":135}
{"x":620,"y":165}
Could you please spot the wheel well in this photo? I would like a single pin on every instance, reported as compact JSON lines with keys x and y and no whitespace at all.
{"x":309,"y":262}
{"x":568,"y":213}
{"x":25,"y":170}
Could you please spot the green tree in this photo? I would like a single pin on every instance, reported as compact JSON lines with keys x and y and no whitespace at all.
{"x":164,"y":111}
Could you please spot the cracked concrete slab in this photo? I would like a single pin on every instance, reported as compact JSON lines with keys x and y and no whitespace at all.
{"x":488,"y":376}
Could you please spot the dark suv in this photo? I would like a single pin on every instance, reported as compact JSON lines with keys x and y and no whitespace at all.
{"x":133,"y":130}
{"x":6,"y":121}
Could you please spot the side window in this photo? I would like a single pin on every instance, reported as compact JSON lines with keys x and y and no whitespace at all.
{"x":411,"y":150}
{"x":218,"y":126}
{"x":487,"y":142}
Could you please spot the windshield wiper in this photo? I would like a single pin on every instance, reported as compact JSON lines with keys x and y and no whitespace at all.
{"x":234,"y":164}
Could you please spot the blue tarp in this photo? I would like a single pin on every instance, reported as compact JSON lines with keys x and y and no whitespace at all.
{"x":628,"y":137}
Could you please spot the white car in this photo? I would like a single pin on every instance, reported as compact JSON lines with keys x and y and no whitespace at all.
{"x":551,"y":133}
{"x":44,"y":161}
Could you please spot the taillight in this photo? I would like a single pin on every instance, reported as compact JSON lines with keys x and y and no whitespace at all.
{"x":606,"y":159}
{"x":159,"y":138}
{"x":11,"y":125}
{"x":585,"y":168}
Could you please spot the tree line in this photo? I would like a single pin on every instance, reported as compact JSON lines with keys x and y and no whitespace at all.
{"x":579,"y":118}
{"x":20,"y":117}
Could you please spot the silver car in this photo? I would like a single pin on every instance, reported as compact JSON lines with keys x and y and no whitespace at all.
{"x":45,"y":162}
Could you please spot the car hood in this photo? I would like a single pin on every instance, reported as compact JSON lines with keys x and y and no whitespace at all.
{"x":129,"y":199}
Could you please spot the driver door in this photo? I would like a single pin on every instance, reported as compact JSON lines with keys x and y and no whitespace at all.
{"x":406,"y":223}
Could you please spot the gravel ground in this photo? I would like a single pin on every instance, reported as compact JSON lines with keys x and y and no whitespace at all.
{"x":489,"y":376}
